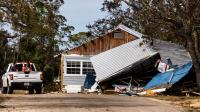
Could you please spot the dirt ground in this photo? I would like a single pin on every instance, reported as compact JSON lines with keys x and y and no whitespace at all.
{"x":189,"y":104}
{"x":82,"y":103}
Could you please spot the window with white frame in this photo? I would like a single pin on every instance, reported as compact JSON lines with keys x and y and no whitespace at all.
{"x":79,"y":67}
{"x":73,"y":67}
{"x":88,"y":68}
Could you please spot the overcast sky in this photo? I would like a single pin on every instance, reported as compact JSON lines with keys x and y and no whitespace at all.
{"x":79,"y":13}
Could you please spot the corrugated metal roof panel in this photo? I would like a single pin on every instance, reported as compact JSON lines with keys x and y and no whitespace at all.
{"x":131,"y":31}
{"x":177,"y":53}
{"x":110,"y":62}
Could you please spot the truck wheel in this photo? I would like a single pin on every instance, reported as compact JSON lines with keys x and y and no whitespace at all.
{"x":9,"y":90}
{"x":38,"y":90}
{"x":31,"y":91}
{"x":4,"y":90}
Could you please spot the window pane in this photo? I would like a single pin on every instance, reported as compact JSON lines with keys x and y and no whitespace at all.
{"x":73,"y":67}
{"x":77,"y":64}
{"x":73,"y":64}
{"x":87,"y":64}
{"x":73,"y":70}
{"x":88,"y":71}
{"x":69,"y":63}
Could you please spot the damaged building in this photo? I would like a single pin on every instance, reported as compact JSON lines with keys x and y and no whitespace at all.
{"x":118,"y":57}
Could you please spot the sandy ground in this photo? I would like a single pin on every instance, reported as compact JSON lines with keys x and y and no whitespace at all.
{"x":190,"y":104}
{"x":82,"y":103}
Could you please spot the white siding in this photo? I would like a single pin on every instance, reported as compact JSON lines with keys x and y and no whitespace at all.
{"x":110,"y":62}
{"x":74,"y":80}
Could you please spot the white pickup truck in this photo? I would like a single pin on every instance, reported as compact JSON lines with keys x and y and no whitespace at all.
{"x":19,"y":76}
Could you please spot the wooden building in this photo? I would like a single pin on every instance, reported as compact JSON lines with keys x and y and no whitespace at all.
{"x":75,"y":63}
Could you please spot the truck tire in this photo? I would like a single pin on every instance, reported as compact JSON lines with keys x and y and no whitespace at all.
{"x":31,"y":91}
{"x":4,"y":90}
{"x":38,"y":90}
{"x":9,"y":90}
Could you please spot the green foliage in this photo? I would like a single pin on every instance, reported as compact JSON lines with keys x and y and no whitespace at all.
{"x":172,"y":20}
{"x":38,"y":31}
{"x":4,"y":50}
{"x":48,"y":70}
{"x":155,"y":18}
{"x":52,"y":87}
{"x":79,"y":38}
{"x":118,"y":13}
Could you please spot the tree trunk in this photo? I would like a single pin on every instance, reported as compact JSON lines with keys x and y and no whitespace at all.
{"x":191,"y":50}
{"x":196,"y":43}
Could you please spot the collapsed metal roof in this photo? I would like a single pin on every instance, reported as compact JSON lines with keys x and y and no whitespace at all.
{"x":123,"y":58}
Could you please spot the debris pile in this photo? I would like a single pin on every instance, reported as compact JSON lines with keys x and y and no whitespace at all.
{"x":137,"y":69}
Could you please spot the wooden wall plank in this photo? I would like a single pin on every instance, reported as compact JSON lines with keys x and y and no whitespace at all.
{"x":101,"y":44}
